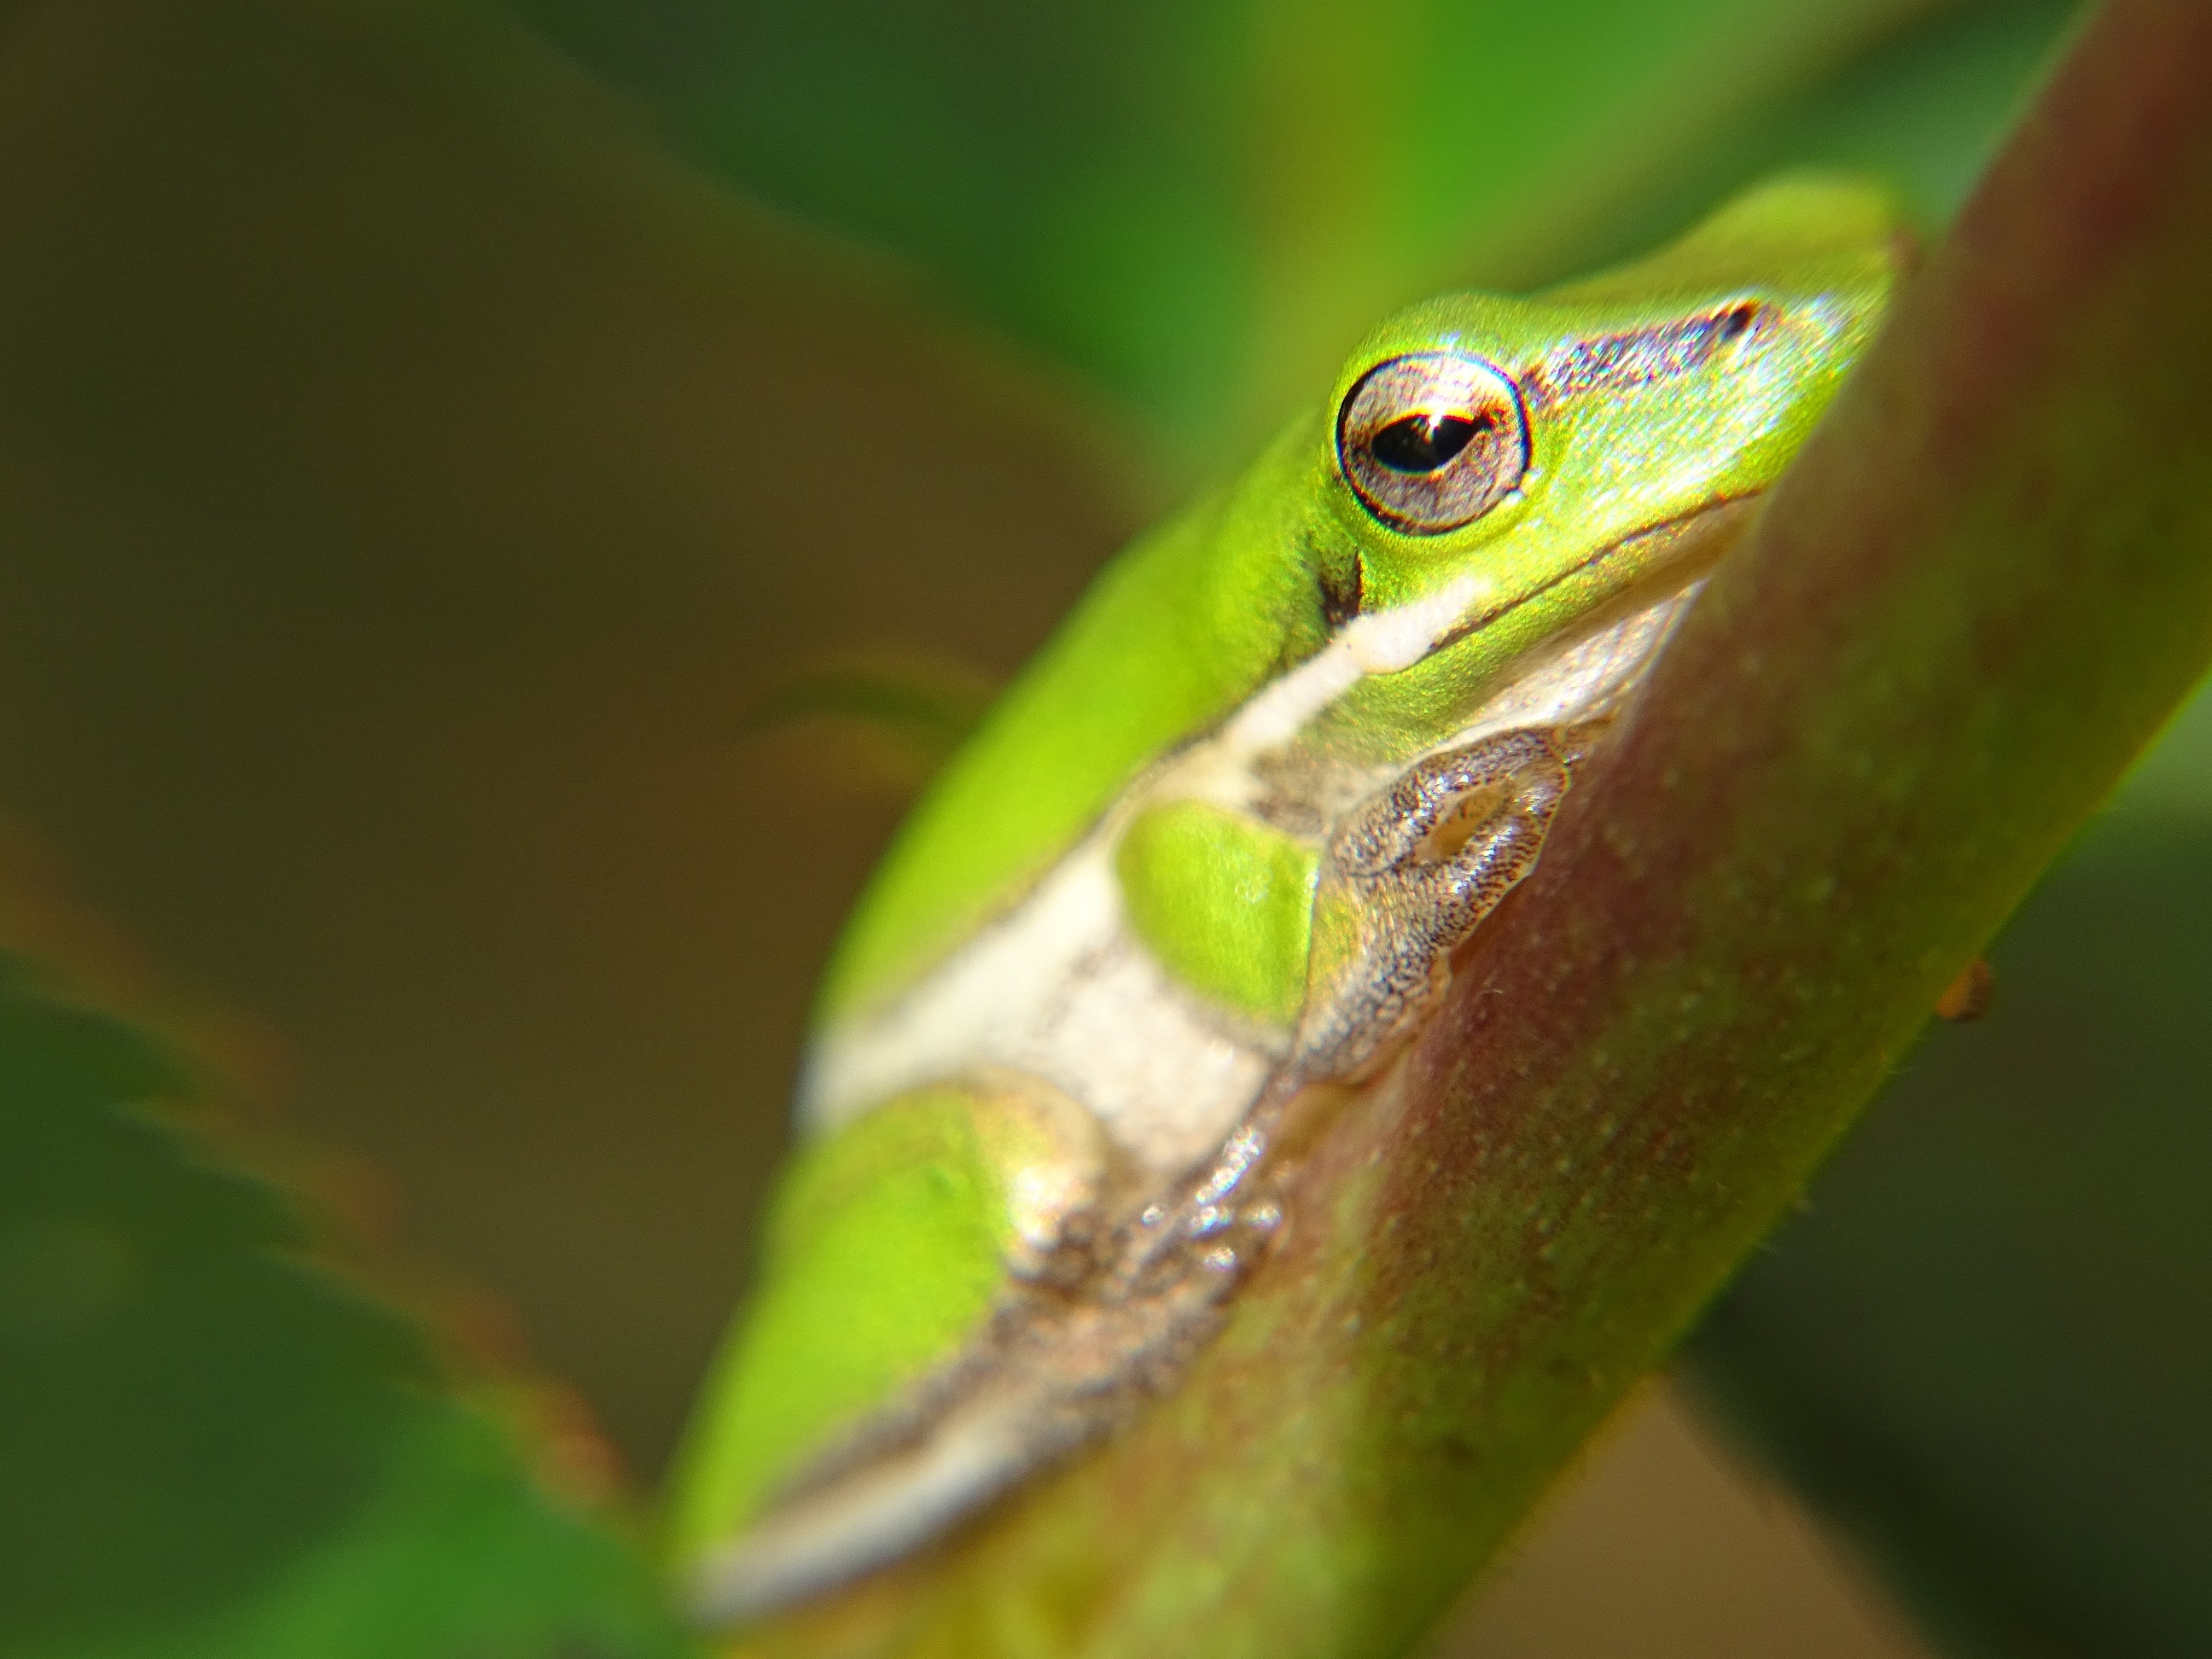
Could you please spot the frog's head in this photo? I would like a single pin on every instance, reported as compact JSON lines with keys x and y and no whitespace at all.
{"x":1492,"y":477}
{"x":1512,"y":468}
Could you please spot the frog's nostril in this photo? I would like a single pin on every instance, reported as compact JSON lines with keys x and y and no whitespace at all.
{"x":1736,"y":321}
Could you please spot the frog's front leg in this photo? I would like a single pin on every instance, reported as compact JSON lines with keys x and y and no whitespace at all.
{"x":1409,"y":877}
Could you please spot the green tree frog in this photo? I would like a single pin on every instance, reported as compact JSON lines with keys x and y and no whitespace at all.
{"x":1210,"y":857}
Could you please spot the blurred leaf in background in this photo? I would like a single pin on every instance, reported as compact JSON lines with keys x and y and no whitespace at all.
{"x":1198,"y":206}
{"x":412,"y":484}
{"x":213,"y":1445}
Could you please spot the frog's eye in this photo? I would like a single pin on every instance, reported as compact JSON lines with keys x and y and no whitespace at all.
{"x":1433,"y":440}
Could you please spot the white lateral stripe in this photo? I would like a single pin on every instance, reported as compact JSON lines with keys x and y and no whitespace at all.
{"x":1058,"y":988}
{"x":1380,"y":643}
{"x":822,"y":1544}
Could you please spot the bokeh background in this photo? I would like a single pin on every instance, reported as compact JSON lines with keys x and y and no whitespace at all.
{"x":436,"y":441}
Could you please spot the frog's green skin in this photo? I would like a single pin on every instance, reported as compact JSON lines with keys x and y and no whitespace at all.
{"x":1204,"y":855}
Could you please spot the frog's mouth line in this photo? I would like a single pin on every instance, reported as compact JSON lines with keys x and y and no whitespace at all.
{"x":1677,"y":551}
{"x":1389,"y":641}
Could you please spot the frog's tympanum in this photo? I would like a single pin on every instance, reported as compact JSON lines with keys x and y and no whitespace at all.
{"x":1209,"y":859}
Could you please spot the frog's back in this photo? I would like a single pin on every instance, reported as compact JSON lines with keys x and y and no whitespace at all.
{"x":1178,"y":630}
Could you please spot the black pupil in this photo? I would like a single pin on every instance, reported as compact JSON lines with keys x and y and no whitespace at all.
{"x":1422,"y":443}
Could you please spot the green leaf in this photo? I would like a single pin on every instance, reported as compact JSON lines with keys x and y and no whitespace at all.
{"x":1975,"y":599}
{"x":1922,"y":108}
{"x":413,"y":478}
{"x":213,"y":1446}
{"x":1198,"y":206}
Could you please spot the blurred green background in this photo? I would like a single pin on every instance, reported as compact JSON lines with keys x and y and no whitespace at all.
{"x":433,"y":434}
